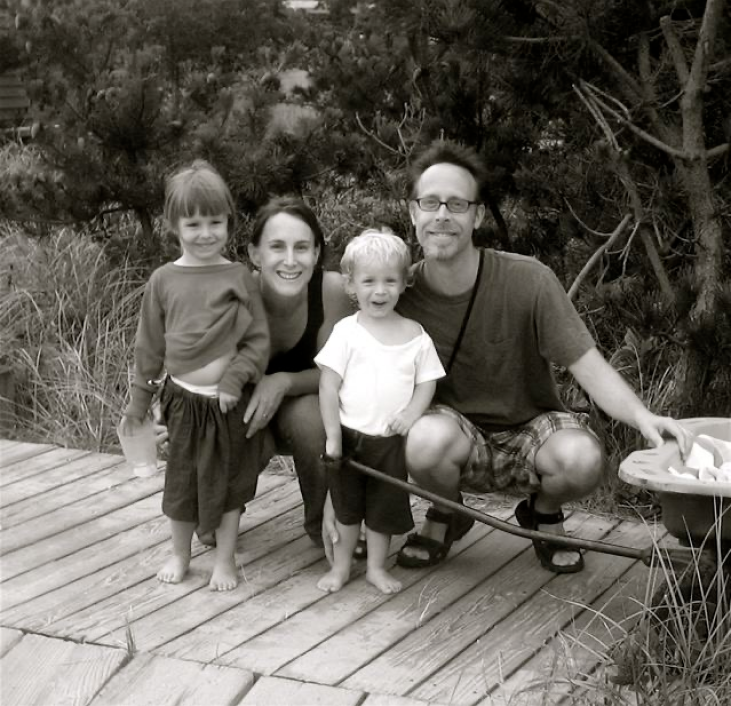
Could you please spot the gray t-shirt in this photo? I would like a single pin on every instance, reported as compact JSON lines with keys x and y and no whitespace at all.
{"x":521,"y":322}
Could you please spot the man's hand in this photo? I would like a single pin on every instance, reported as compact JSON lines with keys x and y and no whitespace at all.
{"x":330,"y":536}
{"x":265,"y":401}
{"x":227,"y":402}
{"x":656,"y":429}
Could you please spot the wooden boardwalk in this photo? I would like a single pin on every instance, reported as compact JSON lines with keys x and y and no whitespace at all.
{"x":84,"y":620}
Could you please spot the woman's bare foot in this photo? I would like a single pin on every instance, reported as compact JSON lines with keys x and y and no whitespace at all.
{"x":333,"y":580}
{"x":383,"y":581}
{"x":225,"y":576}
{"x":174,"y":570}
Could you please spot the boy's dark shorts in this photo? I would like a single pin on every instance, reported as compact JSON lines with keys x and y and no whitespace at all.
{"x":505,"y":460}
{"x":212,"y":467}
{"x":357,"y":496}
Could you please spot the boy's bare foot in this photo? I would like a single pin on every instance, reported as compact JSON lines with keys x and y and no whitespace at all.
{"x":225,"y":576}
{"x":383,"y":581}
{"x":174,"y":570}
{"x":333,"y":580}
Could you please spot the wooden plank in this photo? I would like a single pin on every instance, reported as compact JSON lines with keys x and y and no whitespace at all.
{"x":35,"y":505}
{"x":13,"y":89}
{"x":82,"y":514}
{"x":125,"y":591}
{"x":8,"y":638}
{"x":483,"y":665}
{"x":66,"y":542}
{"x":392,"y":700}
{"x":271,"y":650}
{"x":8,"y":78}
{"x":226,"y":631}
{"x":54,"y":458}
{"x":42,"y":670}
{"x":267,"y":559}
{"x":150,"y":680}
{"x":258,"y":613}
{"x":82,"y":551}
{"x":269,"y":691}
{"x":417,"y":656}
{"x":576,"y":651}
{"x":358,"y":643}
{"x":22,"y":452}
{"x":6,"y":444}
{"x":78,"y":470}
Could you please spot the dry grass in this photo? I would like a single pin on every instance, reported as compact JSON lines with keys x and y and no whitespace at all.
{"x":67,"y":322}
{"x":672,"y":649}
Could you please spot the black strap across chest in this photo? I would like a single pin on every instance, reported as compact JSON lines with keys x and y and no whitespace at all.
{"x":466,"y":317}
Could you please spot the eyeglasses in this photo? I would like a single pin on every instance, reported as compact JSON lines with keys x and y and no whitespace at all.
{"x":454,"y":205}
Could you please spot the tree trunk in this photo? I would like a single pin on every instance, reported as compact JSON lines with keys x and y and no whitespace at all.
{"x":148,"y":232}
{"x":707,"y":225}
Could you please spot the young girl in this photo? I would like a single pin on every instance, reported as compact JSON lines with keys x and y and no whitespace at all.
{"x":378,"y":376}
{"x":203,"y":322}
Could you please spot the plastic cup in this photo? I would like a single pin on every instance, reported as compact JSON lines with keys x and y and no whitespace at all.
{"x":139,"y":449}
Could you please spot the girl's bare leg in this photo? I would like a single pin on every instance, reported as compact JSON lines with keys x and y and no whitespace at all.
{"x":376,"y":573}
{"x":225,"y":574}
{"x":177,"y":565}
{"x":339,"y":573}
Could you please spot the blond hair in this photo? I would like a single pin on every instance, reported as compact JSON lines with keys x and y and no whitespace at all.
{"x":375,"y":246}
{"x":198,"y":188}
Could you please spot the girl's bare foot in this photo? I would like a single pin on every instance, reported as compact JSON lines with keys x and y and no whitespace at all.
{"x":225,"y":575}
{"x":383,"y":581}
{"x":174,"y":570}
{"x":333,"y":580}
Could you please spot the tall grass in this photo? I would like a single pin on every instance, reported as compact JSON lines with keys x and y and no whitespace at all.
{"x":679,"y":652}
{"x":673,"y":648}
{"x":67,"y":323}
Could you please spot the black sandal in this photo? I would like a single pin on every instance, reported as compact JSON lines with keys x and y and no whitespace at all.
{"x":361,"y":549}
{"x":458,"y":526}
{"x":529,"y":518}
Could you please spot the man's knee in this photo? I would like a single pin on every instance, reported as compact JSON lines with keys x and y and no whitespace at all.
{"x":435,"y":441}
{"x":575,"y":456}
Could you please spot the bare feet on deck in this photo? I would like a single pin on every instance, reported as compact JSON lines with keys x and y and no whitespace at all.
{"x":174,"y":570}
{"x":225,"y":576}
{"x":383,"y":581}
{"x":333,"y":580}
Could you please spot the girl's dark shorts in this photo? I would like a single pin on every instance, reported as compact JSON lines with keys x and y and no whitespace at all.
{"x":212,"y":467}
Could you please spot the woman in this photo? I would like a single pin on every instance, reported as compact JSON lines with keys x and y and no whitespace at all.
{"x":303,"y":302}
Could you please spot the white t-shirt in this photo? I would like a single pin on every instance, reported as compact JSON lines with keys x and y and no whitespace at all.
{"x":378,"y":379}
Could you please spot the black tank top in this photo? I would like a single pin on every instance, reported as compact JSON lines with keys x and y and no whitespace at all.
{"x":301,"y":355}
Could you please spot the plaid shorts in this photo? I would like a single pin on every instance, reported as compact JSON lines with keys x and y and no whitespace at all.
{"x":505,"y":460}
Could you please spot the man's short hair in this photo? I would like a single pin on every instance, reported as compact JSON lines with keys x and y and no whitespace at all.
{"x":447,"y":152}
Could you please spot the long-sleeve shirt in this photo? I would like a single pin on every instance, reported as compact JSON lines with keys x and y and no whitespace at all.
{"x":192,"y":316}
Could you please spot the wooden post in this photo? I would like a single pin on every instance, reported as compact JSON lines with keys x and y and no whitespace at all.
{"x":7,"y":399}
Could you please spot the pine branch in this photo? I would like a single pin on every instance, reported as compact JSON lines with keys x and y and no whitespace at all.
{"x":676,"y":51}
{"x":614,"y":236}
{"x":646,"y":136}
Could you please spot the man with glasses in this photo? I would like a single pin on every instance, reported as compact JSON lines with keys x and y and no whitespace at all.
{"x":499,"y":322}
